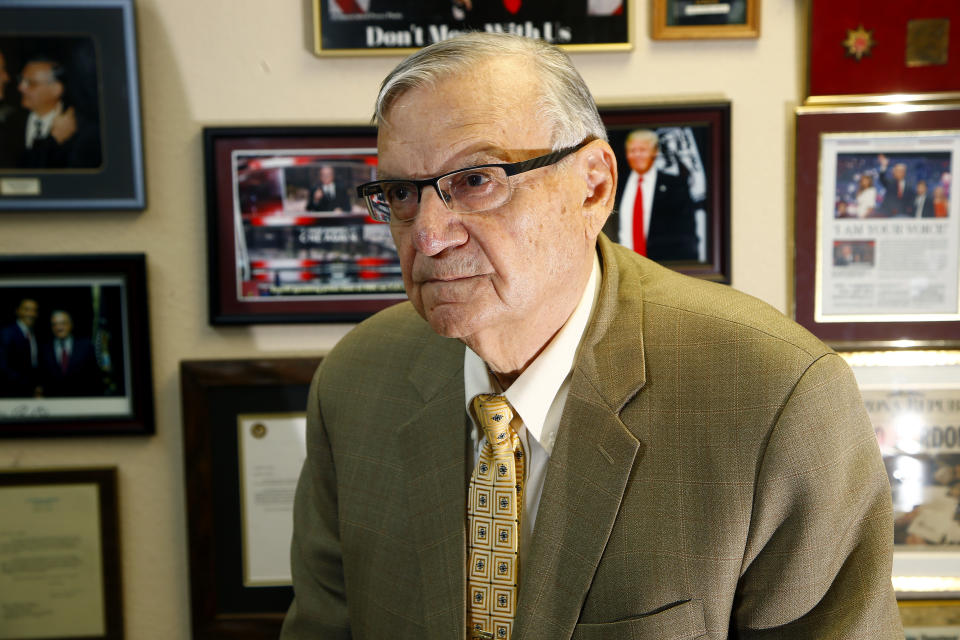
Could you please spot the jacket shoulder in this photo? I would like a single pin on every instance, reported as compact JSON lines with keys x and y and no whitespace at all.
{"x":707,"y":308}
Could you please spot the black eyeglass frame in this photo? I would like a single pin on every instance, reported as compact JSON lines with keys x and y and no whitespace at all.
{"x":514,"y":168}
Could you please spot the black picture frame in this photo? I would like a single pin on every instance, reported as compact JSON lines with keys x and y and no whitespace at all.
{"x":106,"y":387}
{"x":214,"y":394}
{"x":107,"y":516}
{"x":694,"y":144}
{"x":275,"y":256}
{"x":93,"y":46}
{"x":388,"y":27}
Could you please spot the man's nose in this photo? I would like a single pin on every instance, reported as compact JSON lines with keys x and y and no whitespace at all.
{"x":436,"y":228}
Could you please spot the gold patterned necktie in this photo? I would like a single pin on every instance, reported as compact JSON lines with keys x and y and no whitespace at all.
{"x":493,"y":521}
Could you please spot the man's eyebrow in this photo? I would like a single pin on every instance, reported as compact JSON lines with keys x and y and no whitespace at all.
{"x":486,"y":154}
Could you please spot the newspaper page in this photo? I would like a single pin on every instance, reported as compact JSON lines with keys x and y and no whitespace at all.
{"x":888,"y":227}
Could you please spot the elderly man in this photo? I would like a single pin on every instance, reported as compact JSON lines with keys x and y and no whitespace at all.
{"x":556,"y":437}
{"x":56,"y":135}
{"x":68,"y":363}
{"x":656,"y":215}
{"x":899,"y":198}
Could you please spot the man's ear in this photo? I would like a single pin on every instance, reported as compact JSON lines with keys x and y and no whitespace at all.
{"x":599,"y":169}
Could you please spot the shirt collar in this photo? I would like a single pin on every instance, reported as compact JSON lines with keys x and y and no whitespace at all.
{"x":533,"y":393}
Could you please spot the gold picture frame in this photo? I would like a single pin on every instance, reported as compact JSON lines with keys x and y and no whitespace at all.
{"x":698,"y":20}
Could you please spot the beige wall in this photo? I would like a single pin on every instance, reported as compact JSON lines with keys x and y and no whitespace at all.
{"x":248,"y":62}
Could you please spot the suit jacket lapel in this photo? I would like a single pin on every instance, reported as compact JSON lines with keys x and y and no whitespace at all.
{"x":589,"y":468}
{"x":433,"y":447}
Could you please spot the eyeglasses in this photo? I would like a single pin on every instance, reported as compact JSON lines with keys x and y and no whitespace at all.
{"x":470,"y":190}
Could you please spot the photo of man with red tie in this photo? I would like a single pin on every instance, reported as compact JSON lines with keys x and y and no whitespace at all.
{"x":68,"y":363}
{"x":656,"y":214}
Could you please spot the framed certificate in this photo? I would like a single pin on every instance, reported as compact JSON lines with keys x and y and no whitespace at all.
{"x":243,"y":430}
{"x":704,"y":19}
{"x":60,"y":555}
{"x":288,"y":240}
{"x":392,"y":27}
{"x":878,"y":224}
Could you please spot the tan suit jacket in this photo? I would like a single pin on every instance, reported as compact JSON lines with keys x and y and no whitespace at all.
{"x":714,"y":475}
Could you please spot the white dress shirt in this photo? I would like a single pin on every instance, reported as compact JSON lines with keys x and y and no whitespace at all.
{"x":625,"y":214}
{"x":537,"y":397}
{"x":45,"y":122}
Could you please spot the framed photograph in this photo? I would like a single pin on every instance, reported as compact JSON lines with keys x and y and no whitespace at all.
{"x":704,"y":19}
{"x":392,"y":27}
{"x":74,"y":346}
{"x":674,"y":166}
{"x":913,"y":399}
{"x":905,"y":51}
{"x":69,"y":106}
{"x":244,"y":443}
{"x":288,"y":239}
{"x":60,"y":554}
{"x":878,"y":224}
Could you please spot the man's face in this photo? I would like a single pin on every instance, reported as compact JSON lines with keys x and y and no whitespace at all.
{"x":326,"y":175}
{"x":921,"y":188}
{"x":61,"y":325}
{"x":27,"y":312}
{"x":641,"y":154}
{"x":41,"y":91}
{"x":900,"y":171}
{"x":487,"y":275}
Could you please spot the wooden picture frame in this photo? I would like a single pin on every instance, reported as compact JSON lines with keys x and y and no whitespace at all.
{"x":878,"y":272}
{"x":218,"y":395}
{"x":103,"y":385}
{"x":91,"y":157}
{"x":714,"y":19}
{"x":694,"y":141}
{"x":279,"y":250}
{"x":65,"y":518}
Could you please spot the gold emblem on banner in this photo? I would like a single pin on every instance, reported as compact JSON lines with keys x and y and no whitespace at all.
{"x":927,"y":42}
{"x":859,"y":42}
{"x":259,"y":430}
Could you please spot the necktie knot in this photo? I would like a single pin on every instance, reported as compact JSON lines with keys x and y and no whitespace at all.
{"x":494,"y":414}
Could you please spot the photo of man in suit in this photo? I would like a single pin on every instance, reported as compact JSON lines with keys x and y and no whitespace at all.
{"x":923,"y":201}
{"x":556,"y":437}
{"x":656,"y":214}
{"x":68,"y":364}
{"x":18,"y":353}
{"x":331,"y":194}
{"x":898,"y":200}
{"x":57,"y":135}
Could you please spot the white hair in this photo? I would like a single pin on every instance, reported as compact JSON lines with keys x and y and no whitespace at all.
{"x":643,"y":134}
{"x":565,"y":100}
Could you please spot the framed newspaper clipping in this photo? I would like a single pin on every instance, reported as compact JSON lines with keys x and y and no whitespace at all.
{"x":913,"y":399}
{"x":878,"y":224}
{"x":391,"y":27}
